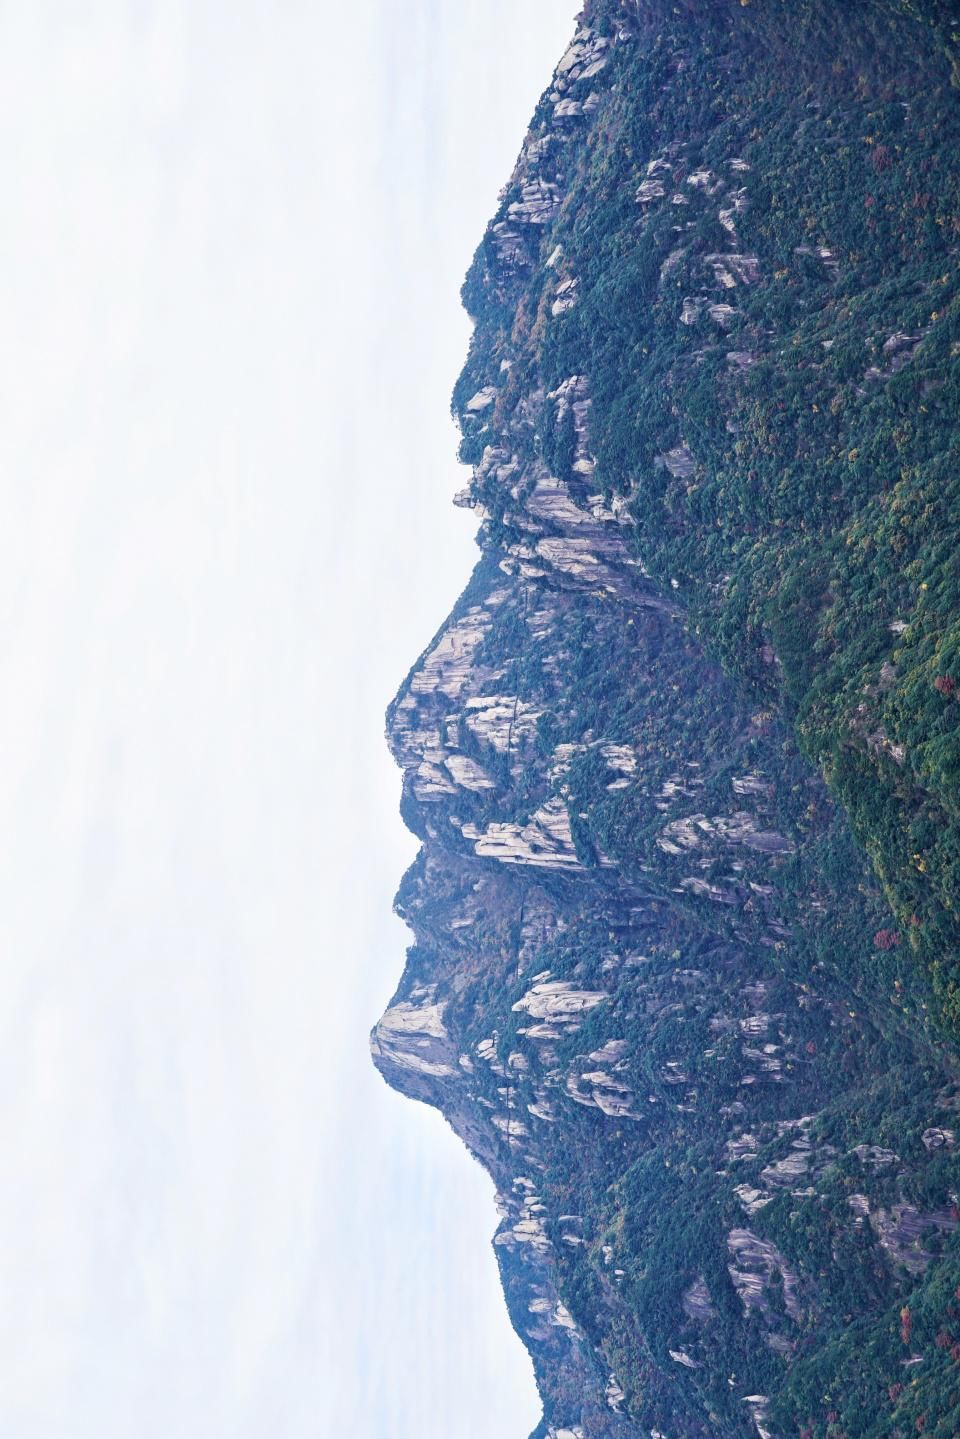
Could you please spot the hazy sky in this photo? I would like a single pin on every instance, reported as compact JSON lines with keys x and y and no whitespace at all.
{"x":234,"y":233}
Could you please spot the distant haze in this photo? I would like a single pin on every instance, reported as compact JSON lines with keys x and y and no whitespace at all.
{"x":233,"y":242}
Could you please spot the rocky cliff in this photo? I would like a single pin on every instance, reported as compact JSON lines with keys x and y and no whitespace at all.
{"x":679,"y":979}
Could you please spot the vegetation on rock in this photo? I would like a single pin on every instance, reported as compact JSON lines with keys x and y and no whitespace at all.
{"x":685,"y":759}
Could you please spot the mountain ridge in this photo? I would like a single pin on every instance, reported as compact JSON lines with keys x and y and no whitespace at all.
{"x":656,"y":987}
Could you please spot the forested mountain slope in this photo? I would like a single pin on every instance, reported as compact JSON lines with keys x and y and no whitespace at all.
{"x":684,"y":759}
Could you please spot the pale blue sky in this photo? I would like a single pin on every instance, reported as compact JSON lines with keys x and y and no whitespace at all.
{"x":233,"y":241}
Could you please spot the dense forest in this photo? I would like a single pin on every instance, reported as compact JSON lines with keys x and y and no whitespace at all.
{"x":685,"y":758}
